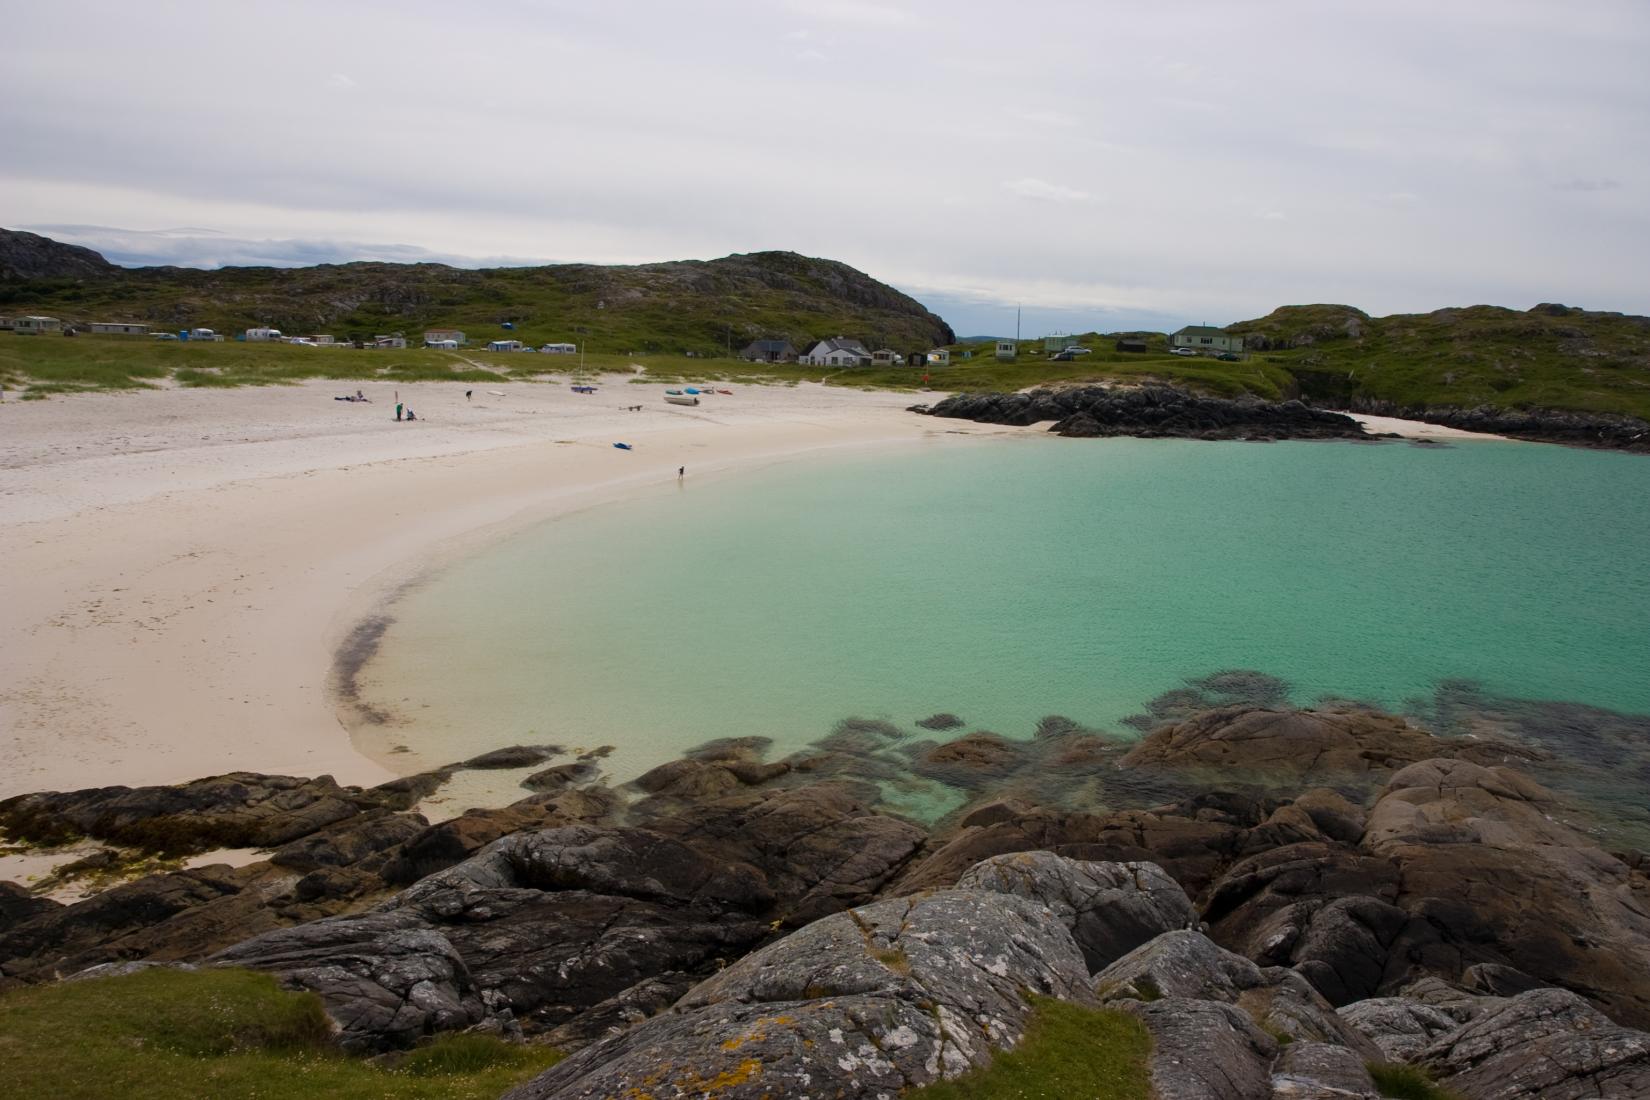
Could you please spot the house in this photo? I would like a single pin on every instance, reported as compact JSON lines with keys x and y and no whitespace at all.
{"x":1206,"y":338}
{"x":505,"y":345}
{"x":560,"y":349}
{"x":34,"y":326}
{"x":396,"y":341}
{"x":939,"y":357}
{"x":769,"y":351}
{"x":440,"y":336}
{"x":264,"y":335}
{"x":838,"y":352}
{"x":117,"y":328}
{"x":1005,"y":349}
{"x":1131,"y":345}
{"x":887,"y":357}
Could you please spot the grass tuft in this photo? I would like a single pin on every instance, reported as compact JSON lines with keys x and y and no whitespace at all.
{"x":1407,"y":1083}
{"x":1068,"y":1051}
{"x":228,"y":1034}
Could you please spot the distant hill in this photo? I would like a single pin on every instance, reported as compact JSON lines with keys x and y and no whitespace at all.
{"x":25,"y":256}
{"x":1551,"y":356}
{"x":699,"y":306}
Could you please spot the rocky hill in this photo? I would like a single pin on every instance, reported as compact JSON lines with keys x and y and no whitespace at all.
{"x":29,"y":256}
{"x":1548,"y":357}
{"x":702,"y":306}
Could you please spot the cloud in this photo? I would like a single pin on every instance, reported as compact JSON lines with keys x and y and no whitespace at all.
{"x":855,"y":12}
{"x":1043,"y":191}
{"x":1273,"y":216}
{"x":815,"y":56}
{"x":1588,"y":185}
{"x":340,"y":81}
{"x":204,"y":248}
{"x":1058,"y":119}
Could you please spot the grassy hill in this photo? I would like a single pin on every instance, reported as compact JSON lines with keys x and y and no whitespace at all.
{"x":704,"y":307}
{"x":1552,"y":356}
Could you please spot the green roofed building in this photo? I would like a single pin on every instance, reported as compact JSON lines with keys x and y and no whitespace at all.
{"x":1206,"y":338}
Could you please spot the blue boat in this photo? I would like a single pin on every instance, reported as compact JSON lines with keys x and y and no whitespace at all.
{"x":623,"y":446}
{"x":689,"y":389}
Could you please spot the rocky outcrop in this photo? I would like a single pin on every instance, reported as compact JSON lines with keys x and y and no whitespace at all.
{"x":1575,"y":429}
{"x":1149,"y":411}
{"x":1547,"y":1044}
{"x":872,"y":1001}
{"x":239,"y":810}
{"x":386,"y":979}
{"x":1109,"y":908}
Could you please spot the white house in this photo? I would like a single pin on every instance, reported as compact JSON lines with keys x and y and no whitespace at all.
{"x":838,"y":352}
{"x":560,"y":349}
{"x":1206,"y":338}
{"x":1005,"y":349}
{"x":438,"y":337}
{"x":117,"y":328}
{"x":939,"y":357}
{"x":264,"y":336}
{"x":34,"y":326}
{"x":504,"y":345}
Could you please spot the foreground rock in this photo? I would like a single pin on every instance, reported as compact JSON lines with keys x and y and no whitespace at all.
{"x":1149,"y":411}
{"x":869,"y":1002}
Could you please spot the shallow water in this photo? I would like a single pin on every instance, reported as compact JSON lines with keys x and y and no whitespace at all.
{"x":1011,"y":578}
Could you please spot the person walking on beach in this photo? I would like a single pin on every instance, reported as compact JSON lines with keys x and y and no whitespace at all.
{"x":398,"y":410}
{"x":467,"y":394}
{"x":681,"y":472}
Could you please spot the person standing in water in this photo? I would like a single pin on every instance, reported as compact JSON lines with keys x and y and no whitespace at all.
{"x":681,"y":472}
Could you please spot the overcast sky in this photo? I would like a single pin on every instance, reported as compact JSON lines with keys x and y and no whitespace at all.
{"x":1107,"y":164}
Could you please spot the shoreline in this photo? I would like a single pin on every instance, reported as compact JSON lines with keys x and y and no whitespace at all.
{"x":186,"y":565}
{"x":175,"y":609}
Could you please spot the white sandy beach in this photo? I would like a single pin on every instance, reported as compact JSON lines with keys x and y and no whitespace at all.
{"x":181,"y":565}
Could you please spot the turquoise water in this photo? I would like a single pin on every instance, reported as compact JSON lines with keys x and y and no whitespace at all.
{"x":1008,"y":579}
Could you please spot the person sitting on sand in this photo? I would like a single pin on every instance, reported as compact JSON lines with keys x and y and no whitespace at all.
{"x":410,"y":414}
{"x":359,"y":396}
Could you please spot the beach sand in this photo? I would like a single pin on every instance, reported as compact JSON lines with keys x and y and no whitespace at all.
{"x":182,"y":566}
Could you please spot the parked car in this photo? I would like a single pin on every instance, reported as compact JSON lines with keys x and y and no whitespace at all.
{"x":1076,"y":350}
{"x":1063,"y":356}
{"x":1229,"y":357}
{"x":1184,"y":351}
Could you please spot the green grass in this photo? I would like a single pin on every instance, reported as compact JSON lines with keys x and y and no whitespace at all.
{"x":162,"y":1034}
{"x":1068,"y":1051}
{"x":1407,"y":1083}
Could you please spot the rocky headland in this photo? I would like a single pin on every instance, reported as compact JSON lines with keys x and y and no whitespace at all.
{"x":1283,"y":898}
{"x":1151,"y":412}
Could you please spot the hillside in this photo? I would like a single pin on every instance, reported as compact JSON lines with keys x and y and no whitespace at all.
{"x":1548,"y":357}
{"x":698,"y":306}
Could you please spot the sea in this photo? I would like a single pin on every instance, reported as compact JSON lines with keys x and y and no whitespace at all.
{"x":1005,"y":579}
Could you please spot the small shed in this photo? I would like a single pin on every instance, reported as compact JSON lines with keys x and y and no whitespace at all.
{"x":1058,"y":341}
{"x":1131,"y":345}
{"x":1005,"y":349}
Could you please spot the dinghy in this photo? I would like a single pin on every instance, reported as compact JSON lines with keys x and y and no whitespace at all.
{"x":624,"y":446}
{"x":680,"y":399}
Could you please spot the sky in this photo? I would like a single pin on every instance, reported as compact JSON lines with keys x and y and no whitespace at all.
{"x":1098,"y":165}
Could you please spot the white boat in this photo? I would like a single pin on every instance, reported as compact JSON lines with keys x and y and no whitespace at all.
{"x":680,"y":399}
